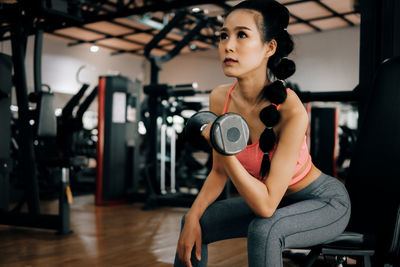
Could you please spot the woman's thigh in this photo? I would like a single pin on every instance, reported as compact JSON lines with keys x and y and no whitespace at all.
{"x":321,"y":213}
{"x":226,"y":219}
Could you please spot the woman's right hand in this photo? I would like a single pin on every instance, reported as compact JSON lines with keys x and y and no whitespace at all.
{"x":189,"y":237}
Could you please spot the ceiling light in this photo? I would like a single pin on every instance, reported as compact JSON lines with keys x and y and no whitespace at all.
{"x":193,"y":47}
{"x":94,"y":48}
{"x":58,"y":112}
{"x":196,"y":10}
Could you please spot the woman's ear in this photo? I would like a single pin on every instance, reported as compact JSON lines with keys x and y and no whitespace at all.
{"x":271,"y":48}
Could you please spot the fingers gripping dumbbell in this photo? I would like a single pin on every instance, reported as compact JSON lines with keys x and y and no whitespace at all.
{"x":229,"y":132}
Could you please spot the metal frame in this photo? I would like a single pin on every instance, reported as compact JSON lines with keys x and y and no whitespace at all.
{"x":46,"y":15}
{"x":34,"y":217}
{"x":379,"y":41}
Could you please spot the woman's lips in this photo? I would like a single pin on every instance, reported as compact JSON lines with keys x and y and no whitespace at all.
{"x":229,"y":61}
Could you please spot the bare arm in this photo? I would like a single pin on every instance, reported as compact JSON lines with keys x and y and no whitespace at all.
{"x":211,"y":189}
{"x":217,"y":178}
{"x":264,"y":197}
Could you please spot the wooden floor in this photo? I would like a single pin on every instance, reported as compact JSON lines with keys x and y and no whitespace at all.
{"x":121,"y":235}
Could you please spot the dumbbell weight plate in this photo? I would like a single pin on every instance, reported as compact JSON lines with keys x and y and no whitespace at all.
{"x":192,"y":128}
{"x":229,"y":134}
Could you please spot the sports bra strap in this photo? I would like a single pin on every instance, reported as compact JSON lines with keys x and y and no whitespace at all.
{"x":228,"y":98}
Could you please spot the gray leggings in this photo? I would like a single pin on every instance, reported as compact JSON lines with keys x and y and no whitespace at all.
{"x":314,"y":215}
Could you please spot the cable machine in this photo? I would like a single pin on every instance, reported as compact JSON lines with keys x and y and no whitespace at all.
{"x":156,"y":192}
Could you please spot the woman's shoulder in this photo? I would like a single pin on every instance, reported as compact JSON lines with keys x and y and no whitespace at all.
{"x":292,"y":103}
{"x":293,"y":109}
{"x":218,"y":97}
{"x":221,"y":91}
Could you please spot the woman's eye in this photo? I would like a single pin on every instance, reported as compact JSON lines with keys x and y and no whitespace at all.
{"x":223,"y":36}
{"x":242,"y":35}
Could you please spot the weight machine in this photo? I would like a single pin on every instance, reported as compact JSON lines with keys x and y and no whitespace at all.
{"x":372,"y":181}
{"x":44,"y":127}
{"x":157,"y":132}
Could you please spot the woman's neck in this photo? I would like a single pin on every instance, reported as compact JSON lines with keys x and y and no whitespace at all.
{"x":249,"y":89}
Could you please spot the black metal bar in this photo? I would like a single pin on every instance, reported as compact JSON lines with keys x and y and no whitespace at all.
{"x":153,"y":104}
{"x":18,"y":45}
{"x":186,"y":85}
{"x":37,"y":60}
{"x":370,"y":37}
{"x":311,"y":257}
{"x":334,"y":12}
{"x":154,"y":69}
{"x":63,"y":225}
{"x":182,"y":92}
{"x":86,"y":103}
{"x":390,"y":29}
{"x":155,"y":6}
{"x":335,"y":96}
{"x":188,"y":37}
{"x":327,"y":17}
{"x":5,"y":130}
{"x":297,"y":2}
{"x":305,"y":22}
{"x":74,"y":101}
{"x":121,"y":36}
{"x":158,"y":37}
{"x":45,"y":221}
{"x":72,"y":38}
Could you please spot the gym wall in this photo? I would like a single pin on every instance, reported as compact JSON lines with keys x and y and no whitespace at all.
{"x":326,"y":61}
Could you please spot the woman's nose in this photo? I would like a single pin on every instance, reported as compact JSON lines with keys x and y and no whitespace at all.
{"x":229,"y":45}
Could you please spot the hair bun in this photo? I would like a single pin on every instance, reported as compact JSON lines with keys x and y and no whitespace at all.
{"x":270,"y":116}
{"x":275,"y":92}
{"x":267,"y":140}
{"x":284,"y":69}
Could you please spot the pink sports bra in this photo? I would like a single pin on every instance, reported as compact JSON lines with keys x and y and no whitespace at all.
{"x":252,"y":155}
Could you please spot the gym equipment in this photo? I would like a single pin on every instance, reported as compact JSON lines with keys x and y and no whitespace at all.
{"x":195,"y":126}
{"x":157,"y":93}
{"x":118,"y":99}
{"x":323,"y":139}
{"x":77,"y":143}
{"x":373,"y":240}
{"x":5,"y":131}
{"x":229,"y":133}
{"x":165,"y":132}
{"x":347,"y":140}
{"x":27,"y":161}
{"x":374,"y":166}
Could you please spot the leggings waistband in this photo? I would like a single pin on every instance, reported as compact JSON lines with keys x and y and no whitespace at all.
{"x":323,"y":178}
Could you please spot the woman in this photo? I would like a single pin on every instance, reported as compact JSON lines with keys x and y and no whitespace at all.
{"x":285,"y":201}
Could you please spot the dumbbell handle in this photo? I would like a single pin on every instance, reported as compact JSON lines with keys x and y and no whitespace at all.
{"x":194,"y":127}
{"x":202,"y":127}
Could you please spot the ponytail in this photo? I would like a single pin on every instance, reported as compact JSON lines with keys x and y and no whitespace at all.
{"x":273,"y":25}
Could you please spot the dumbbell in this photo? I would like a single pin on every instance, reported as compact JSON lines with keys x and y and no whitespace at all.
{"x":229,"y":133}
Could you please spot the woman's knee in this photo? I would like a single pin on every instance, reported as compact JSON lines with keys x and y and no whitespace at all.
{"x":264,"y":242}
{"x":264,"y":229}
{"x":259,"y":227}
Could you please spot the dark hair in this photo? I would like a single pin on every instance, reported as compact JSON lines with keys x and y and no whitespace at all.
{"x":275,"y":20}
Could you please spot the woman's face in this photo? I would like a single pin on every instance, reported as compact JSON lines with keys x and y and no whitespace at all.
{"x":241,"y":48}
